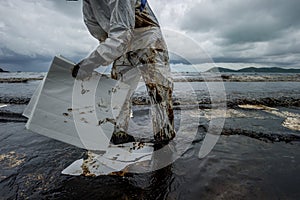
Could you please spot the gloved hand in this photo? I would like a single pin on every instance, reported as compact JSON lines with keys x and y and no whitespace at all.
{"x":81,"y":73}
{"x":143,"y":5}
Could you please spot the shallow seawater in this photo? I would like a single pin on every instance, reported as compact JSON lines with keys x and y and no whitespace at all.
{"x":185,"y":91}
{"x":21,"y":90}
{"x":256,"y":157}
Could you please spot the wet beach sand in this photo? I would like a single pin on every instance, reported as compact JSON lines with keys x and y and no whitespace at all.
{"x":256,"y":157}
{"x":246,"y":163}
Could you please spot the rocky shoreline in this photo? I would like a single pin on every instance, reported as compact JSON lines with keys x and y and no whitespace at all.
{"x":14,"y":100}
{"x":215,"y":77}
{"x":19,"y":80}
{"x":202,"y":103}
{"x":202,"y":77}
{"x":262,"y":136}
{"x":238,"y":114}
{"x":231,"y":103}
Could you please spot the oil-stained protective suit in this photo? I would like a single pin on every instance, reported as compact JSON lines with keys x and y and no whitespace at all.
{"x":131,"y":39}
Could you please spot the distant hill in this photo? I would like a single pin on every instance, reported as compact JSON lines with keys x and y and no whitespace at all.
{"x":220,"y":69}
{"x":255,"y":70}
{"x":2,"y":70}
{"x":269,"y":70}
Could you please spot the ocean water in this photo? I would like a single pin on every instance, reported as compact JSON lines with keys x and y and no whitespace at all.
{"x":281,"y":95}
{"x":255,"y":158}
{"x":182,"y":89}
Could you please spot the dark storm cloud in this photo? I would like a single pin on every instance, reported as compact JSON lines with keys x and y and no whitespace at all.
{"x":267,"y":27}
{"x":69,"y":8}
{"x":244,"y":21}
{"x":17,"y":62}
{"x":33,"y":32}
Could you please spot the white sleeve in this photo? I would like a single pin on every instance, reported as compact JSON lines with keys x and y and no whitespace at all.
{"x":91,"y":23}
{"x":120,"y":34}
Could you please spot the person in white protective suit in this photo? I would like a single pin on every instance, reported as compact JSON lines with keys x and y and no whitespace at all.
{"x":130,"y":37}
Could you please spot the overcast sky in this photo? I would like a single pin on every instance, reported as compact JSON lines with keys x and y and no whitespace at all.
{"x":243,"y":31}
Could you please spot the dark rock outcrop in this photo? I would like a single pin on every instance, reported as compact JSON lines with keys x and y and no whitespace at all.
{"x":3,"y":71}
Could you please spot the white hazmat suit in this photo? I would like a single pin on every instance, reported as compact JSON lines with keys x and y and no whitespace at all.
{"x":131,"y":39}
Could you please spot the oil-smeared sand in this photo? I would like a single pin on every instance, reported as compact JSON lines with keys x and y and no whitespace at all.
{"x":241,"y":166}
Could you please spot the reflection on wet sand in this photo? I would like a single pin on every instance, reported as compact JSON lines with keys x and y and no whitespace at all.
{"x":239,"y":167}
{"x":291,"y":120}
{"x":12,"y":159}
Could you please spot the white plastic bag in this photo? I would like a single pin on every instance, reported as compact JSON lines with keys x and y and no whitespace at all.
{"x":76,"y":112}
{"x":82,"y":113}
